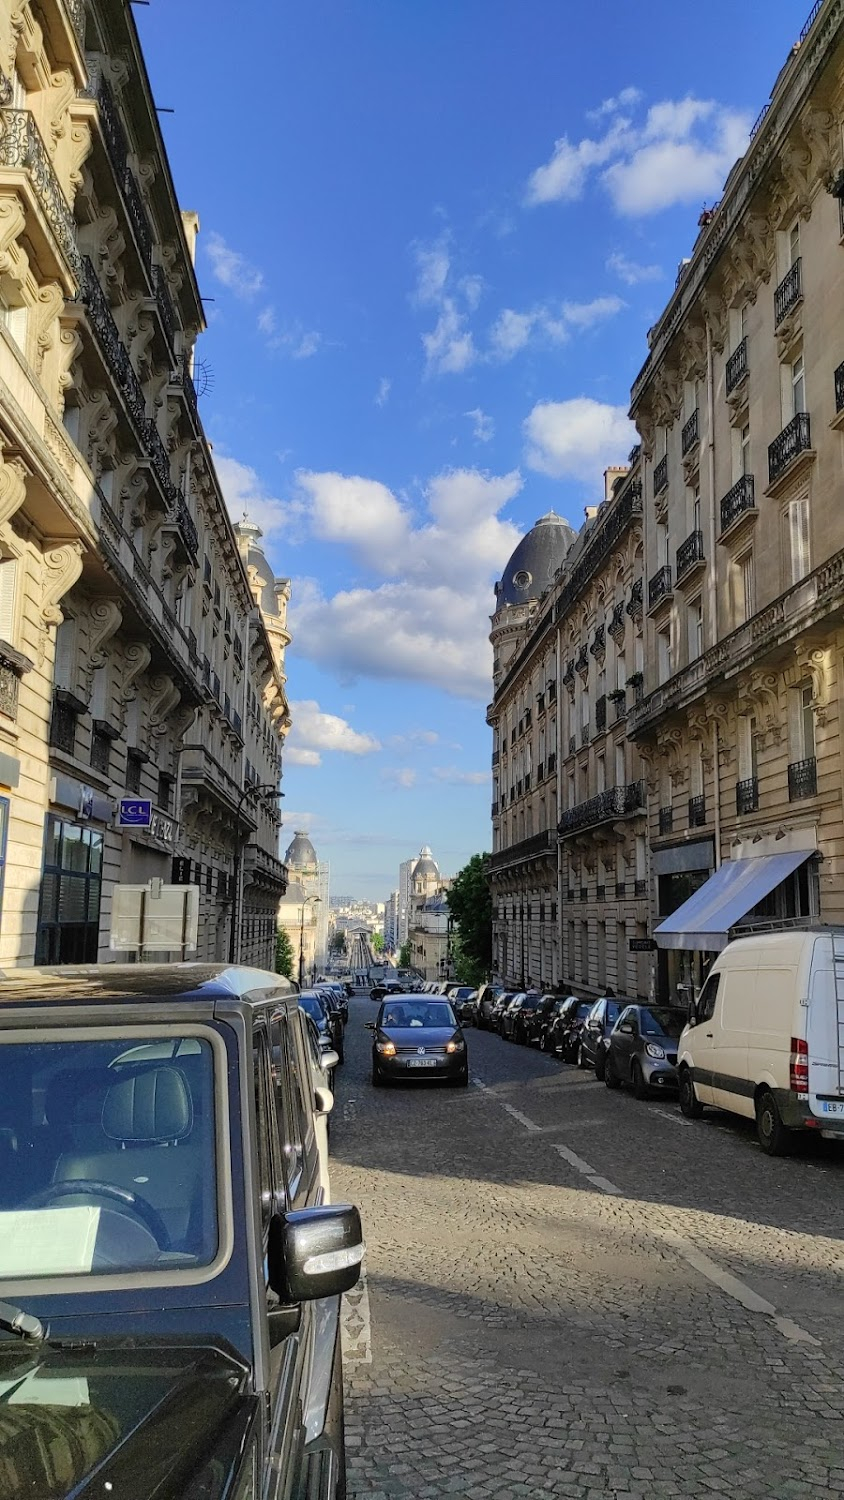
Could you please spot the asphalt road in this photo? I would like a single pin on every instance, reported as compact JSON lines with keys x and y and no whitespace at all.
{"x":571,"y":1293}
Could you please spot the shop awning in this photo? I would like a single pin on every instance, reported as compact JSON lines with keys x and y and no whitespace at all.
{"x":704,"y":921}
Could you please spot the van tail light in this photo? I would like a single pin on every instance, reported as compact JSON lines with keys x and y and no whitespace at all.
{"x":799,"y":1066}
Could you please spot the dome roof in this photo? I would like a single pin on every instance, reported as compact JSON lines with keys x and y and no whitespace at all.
{"x":259,"y":572}
{"x":426,"y":865}
{"x":301,"y":854}
{"x":531,"y":569}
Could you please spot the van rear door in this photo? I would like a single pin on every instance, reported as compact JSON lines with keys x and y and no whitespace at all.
{"x":825,"y":1033}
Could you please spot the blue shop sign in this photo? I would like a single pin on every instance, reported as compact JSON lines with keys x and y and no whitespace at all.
{"x":135,"y":813}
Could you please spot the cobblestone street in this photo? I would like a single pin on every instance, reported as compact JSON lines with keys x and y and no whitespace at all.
{"x":571,"y":1293}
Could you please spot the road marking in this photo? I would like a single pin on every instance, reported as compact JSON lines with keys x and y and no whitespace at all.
{"x":516,"y":1114}
{"x":675,"y":1119}
{"x":356,"y":1325}
{"x":602,"y":1183}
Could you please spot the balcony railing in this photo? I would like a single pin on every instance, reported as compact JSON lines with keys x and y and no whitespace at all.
{"x":138,"y":217}
{"x":747,"y":795}
{"x":802,"y":779}
{"x":737,"y":501}
{"x":788,"y":293}
{"x":659,"y":587}
{"x":601,"y":714}
{"x":691,"y":434}
{"x":114,"y":350}
{"x":792,"y":441}
{"x":736,"y":370}
{"x":21,"y":146}
{"x":661,"y":475}
{"x":697,"y":812}
{"x":615,"y":802}
{"x":635,"y":605}
{"x":839,"y":388}
{"x":110,"y":123}
{"x":164,"y":304}
{"x":187,"y":526}
{"x":666,"y":819}
{"x":584,"y":734}
{"x":689,"y":554}
{"x":496,"y":757}
{"x":532,"y":848}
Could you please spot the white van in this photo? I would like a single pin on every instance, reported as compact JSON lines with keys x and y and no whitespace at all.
{"x":766,"y":1036}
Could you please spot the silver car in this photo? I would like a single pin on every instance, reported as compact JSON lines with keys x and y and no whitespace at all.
{"x":642,"y":1049}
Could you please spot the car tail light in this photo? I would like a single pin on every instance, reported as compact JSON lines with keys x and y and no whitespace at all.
{"x":799,"y":1066}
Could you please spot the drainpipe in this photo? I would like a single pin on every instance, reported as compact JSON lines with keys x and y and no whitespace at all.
{"x":712,"y":597}
{"x":717,"y":786}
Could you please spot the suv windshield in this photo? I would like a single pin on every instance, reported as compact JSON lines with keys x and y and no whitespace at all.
{"x":108,"y":1156}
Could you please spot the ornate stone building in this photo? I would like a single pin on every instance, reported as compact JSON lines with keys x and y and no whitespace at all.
{"x":304,"y":910}
{"x":134,"y":657}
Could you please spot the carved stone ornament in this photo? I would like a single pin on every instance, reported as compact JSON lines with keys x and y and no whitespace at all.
{"x":811,"y":664}
{"x":104,"y":620}
{"x":672,"y":748}
{"x":165,"y":698}
{"x":62,"y":567}
{"x":13,"y":476}
{"x":136,"y":658}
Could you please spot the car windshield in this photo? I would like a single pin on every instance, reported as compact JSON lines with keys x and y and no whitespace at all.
{"x":613,"y":1011}
{"x":313,"y":1007}
{"x":417,"y":1013}
{"x":583,"y":1009}
{"x":108,"y":1156}
{"x":662,"y":1023}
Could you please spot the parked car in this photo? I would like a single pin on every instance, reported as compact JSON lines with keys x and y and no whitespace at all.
{"x":595,"y":1034}
{"x":487,"y":997}
{"x":159,"y":1249}
{"x":466,"y":1006}
{"x":642,"y":1049}
{"x":507,"y":1018}
{"x":320,"y":1017}
{"x":323,"y":1067}
{"x":763,"y":1038}
{"x":547,"y":1021}
{"x":498,"y":1009}
{"x":335,"y":1018}
{"x":418,"y":1039}
{"x":458,"y":993}
{"x":523,"y":1018}
{"x":536,"y":1023}
{"x":384,"y":987}
{"x":338,"y":996}
{"x":568,"y":1025}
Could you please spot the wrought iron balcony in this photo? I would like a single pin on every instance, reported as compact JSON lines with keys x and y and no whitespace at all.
{"x":659,"y":587}
{"x":792,"y":441}
{"x":584,"y":734}
{"x":789,"y":292}
{"x":160,"y":459}
{"x":747,"y":795}
{"x":635,"y":605}
{"x":110,"y":122}
{"x":76,"y":12}
{"x":615,"y":802}
{"x":21,"y":146}
{"x":691,"y":435}
{"x":552,"y":763}
{"x":802,"y":779}
{"x":601,"y":713}
{"x":666,"y":819}
{"x":164,"y":303}
{"x":697,"y":812}
{"x":618,"y":698}
{"x":496,"y":756}
{"x":839,"y":388}
{"x":113,"y":349}
{"x":661,"y":475}
{"x":187,"y":526}
{"x":736,"y":370}
{"x":690,"y":554}
{"x":737,"y":501}
{"x":535,"y":847}
{"x":138,"y":217}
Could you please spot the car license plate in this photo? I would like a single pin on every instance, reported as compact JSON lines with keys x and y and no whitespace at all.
{"x":830,"y":1108}
{"x":422,"y":1062}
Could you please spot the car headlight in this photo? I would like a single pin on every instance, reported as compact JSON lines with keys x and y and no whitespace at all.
{"x":653,"y":1049}
{"x":387,"y":1049}
{"x":455,"y":1046}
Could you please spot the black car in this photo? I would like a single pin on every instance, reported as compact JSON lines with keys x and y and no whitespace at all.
{"x":643,"y":1049}
{"x":487,"y":996}
{"x":498,"y":1009}
{"x":333,"y":1016}
{"x":417,"y":1040}
{"x":536,"y":1023}
{"x":383,"y":987}
{"x":164,"y":1255}
{"x":595,"y":1035}
{"x":524,"y":1017}
{"x":338,"y":996}
{"x":568,"y":1025}
{"x":318,"y":1021}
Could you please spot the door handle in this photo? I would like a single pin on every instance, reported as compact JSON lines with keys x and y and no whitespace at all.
{"x":708,"y":1033}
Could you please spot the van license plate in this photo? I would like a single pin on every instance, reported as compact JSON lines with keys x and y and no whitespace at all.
{"x":422,"y":1062}
{"x":832,"y":1109}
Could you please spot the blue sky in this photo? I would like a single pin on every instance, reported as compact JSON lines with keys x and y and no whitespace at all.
{"x":436,"y":233}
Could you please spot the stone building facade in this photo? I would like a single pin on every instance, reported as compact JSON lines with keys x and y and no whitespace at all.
{"x":135,"y":659}
{"x":683,"y":661}
{"x":304,"y":910}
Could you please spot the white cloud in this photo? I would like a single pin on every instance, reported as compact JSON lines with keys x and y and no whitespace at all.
{"x":232,"y":268}
{"x":433,"y":265}
{"x":412,"y":739}
{"x":483,"y":426}
{"x":449,"y":346}
{"x":360,"y":513}
{"x":383,"y":392}
{"x":246,"y":494}
{"x":314,"y":731}
{"x":403,"y":777}
{"x":631,"y":272}
{"x":577,"y":439}
{"x":680,"y":152}
{"x":266,"y":321}
{"x":472,"y":288}
{"x":454,"y":777}
{"x":513,"y":331}
{"x":294,"y":756}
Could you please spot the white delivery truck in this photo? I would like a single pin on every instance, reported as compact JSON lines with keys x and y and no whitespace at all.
{"x":765,"y":1037}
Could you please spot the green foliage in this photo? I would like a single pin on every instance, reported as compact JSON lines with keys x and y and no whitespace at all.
{"x":283,"y":954}
{"x":470,"y":903}
{"x":404,"y":956}
{"x":378,"y":942}
{"x":338,"y":943}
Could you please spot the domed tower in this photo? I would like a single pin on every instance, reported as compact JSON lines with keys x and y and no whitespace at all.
{"x":301,"y":858}
{"x":426,"y":875}
{"x":525,"y":579}
{"x":303,"y":911}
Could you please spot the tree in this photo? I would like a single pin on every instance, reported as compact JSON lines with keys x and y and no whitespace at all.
{"x":283,"y":954}
{"x":404,"y":956}
{"x":378,"y":942}
{"x":338,"y":943}
{"x":470,"y":904}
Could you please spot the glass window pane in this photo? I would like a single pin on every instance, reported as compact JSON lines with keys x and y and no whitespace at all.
{"x":74,"y":851}
{"x":72,"y":899}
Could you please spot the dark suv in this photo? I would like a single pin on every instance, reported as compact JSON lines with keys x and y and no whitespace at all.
{"x":165,"y":1254}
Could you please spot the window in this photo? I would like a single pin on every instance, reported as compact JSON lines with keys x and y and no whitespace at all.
{"x":263,"y":1152}
{"x":601,"y":771}
{"x":707,"y":998}
{"x":794,"y":243}
{"x":696,"y":510}
{"x":807,"y":722}
{"x":620,"y":771}
{"x":796,"y":539}
{"x":69,"y":907}
{"x":100,"y":751}
{"x":798,"y":386}
{"x":663,"y":639}
{"x":620,"y":673}
{"x":695,"y":629}
{"x":165,"y":791}
{"x":747,"y":586}
{"x":748,"y":747}
{"x":8,"y":591}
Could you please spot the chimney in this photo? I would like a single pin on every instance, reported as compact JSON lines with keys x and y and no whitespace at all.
{"x":611,"y":477}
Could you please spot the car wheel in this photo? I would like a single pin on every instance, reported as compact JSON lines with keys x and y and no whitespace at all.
{"x":640,"y":1088}
{"x":611,"y":1078}
{"x":600,"y":1064}
{"x":460,"y":1081}
{"x":690,"y":1105}
{"x":774,"y":1137}
{"x":377,"y":1080}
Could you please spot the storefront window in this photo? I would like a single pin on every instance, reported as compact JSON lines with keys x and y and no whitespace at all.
{"x":69,"y":910}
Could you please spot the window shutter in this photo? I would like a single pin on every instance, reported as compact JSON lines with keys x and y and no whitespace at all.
{"x":8,"y":589}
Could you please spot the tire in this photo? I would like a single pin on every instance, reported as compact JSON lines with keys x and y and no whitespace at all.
{"x":461,"y":1082}
{"x":600,"y":1064}
{"x":611,"y":1078}
{"x":637,"y":1078}
{"x":774,"y":1137}
{"x":690,"y":1105}
{"x":377,"y":1080}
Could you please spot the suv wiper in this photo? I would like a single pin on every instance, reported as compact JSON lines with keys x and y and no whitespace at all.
{"x":24,"y":1324}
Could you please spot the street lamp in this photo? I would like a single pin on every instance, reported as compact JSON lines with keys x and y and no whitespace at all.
{"x":256,"y":789}
{"x":302,"y":938}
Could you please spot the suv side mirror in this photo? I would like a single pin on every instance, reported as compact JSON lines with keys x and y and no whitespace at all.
{"x":323,"y":1101}
{"x":315,"y":1252}
{"x":329,"y":1060}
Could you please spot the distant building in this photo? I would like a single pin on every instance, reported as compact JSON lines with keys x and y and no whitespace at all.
{"x":303,"y":911}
